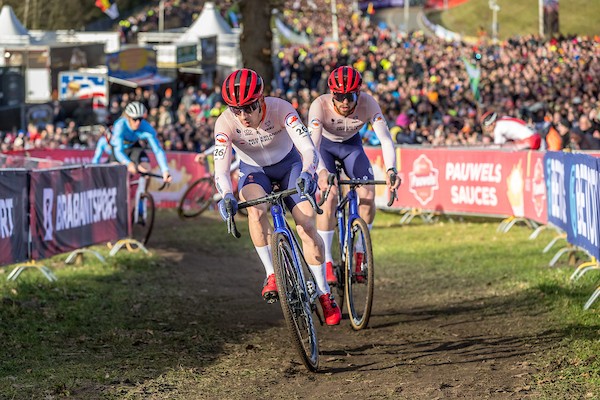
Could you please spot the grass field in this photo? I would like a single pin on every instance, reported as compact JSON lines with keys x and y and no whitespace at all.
{"x":87,"y":328}
{"x":518,"y":17}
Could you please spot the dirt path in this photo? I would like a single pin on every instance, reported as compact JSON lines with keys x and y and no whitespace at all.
{"x":419,"y":345}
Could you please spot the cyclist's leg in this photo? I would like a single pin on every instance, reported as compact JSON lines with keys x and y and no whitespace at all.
{"x":255,"y":184}
{"x":326,"y":221}
{"x":304,"y":216}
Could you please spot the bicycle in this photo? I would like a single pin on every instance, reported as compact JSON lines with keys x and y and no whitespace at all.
{"x":356,"y":284}
{"x":143,"y":210}
{"x":297,"y":294}
{"x":199,"y":196}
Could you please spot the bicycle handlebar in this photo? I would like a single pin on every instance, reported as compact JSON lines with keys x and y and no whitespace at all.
{"x":270,"y":198}
{"x":359,"y":182}
{"x":153,"y":175}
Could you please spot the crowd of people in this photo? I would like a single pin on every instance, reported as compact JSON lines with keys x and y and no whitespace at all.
{"x":432,"y":92}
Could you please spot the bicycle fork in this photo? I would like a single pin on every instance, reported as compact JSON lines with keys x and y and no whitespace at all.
{"x":281,"y":225}
{"x":139,"y":203}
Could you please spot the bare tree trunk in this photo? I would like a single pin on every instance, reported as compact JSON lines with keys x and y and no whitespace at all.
{"x":256,"y":37}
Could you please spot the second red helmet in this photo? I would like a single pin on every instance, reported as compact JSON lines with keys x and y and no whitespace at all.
{"x":242,"y":87}
{"x":344,"y":80}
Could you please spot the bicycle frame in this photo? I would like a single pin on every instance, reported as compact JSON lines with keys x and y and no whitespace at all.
{"x":138,"y":202}
{"x":280,"y":225}
{"x":344,"y":222}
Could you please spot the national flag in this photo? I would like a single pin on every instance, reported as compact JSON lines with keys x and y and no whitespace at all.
{"x":474,"y":75}
{"x":109,"y":7}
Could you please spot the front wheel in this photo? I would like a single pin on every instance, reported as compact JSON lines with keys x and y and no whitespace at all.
{"x":197,"y":198}
{"x":295,"y":301}
{"x":359,"y":275}
{"x":142,"y":228}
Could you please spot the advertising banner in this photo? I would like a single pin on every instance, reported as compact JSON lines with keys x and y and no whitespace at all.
{"x":132,"y":62}
{"x":582,"y":188}
{"x":182,"y":166}
{"x":13,"y":216}
{"x":77,"y":207}
{"x":467,"y":181}
{"x":556,"y":187}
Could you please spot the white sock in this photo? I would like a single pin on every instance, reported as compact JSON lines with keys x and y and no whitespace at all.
{"x":327,"y":237}
{"x":265,"y":256}
{"x":321,"y":281}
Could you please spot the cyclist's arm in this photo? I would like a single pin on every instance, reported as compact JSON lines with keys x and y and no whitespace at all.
{"x":222,"y":159}
{"x":150,"y":135}
{"x":315,"y":128}
{"x":118,"y":144}
{"x":100,"y":146}
{"x":383,"y":134}
{"x":301,"y":138}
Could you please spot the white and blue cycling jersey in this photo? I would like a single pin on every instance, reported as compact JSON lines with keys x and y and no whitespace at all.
{"x":124,"y":138}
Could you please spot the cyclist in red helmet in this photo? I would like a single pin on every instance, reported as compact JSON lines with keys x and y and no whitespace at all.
{"x":273,"y":146}
{"x":335,"y":120}
{"x":511,"y":133}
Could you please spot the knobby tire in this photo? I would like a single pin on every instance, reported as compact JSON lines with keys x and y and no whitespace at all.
{"x":295,"y":302}
{"x":197,"y":198}
{"x":359,"y":287}
{"x":141,"y":232}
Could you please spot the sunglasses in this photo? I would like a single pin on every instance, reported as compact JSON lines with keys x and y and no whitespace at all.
{"x":249,"y":109}
{"x":137,"y":119}
{"x":340,"y":97}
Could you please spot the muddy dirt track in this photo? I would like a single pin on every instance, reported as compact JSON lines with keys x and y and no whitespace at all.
{"x":418,"y":345}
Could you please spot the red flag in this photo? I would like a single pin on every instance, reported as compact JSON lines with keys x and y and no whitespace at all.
{"x":109,"y":7}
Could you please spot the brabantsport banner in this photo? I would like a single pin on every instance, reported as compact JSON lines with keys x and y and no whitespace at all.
{"x":182,"y":166}
{"x":13,"y":216}
{"x":75,"y":207}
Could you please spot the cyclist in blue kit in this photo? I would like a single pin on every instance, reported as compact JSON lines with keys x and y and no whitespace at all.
{"x":125,"y":142}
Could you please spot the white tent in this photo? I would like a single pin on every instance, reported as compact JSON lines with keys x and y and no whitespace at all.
{"x":11,"y":30}
{"x":209,"y":23}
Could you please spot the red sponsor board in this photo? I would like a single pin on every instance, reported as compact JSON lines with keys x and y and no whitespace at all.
{"x":182,"y":167}
{"x":468,"y":181}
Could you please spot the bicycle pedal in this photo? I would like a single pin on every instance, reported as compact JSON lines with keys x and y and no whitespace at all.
{"x":271,"y":297}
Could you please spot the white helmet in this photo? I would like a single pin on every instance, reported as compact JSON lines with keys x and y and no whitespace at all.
{"x":135,"y":109}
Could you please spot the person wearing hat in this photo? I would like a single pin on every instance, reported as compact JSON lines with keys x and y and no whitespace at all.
{"x":510,"y":133}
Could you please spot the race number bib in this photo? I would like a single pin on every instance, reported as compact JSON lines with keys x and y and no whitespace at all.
{"x":219,"y":152}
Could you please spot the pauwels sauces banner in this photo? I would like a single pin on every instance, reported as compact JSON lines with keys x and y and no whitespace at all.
{"x":468,"y":181}
{"x":13,"y":216}
{"x":77,"y":207}
{"x":583,"y":204}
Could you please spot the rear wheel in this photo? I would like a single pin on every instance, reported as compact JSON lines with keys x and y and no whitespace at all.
{"x":142,"y":229}
{"x":197,"y":198}
{"x":295,"y":302}
{"x":359,"y":275}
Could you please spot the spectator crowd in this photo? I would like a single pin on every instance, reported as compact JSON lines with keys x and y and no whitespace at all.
{"x":425,"y":85}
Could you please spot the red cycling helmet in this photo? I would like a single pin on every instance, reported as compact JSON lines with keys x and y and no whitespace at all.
{"x":488,"y":118}
{"x":242,"y":87}
{"x":344,"y":80}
